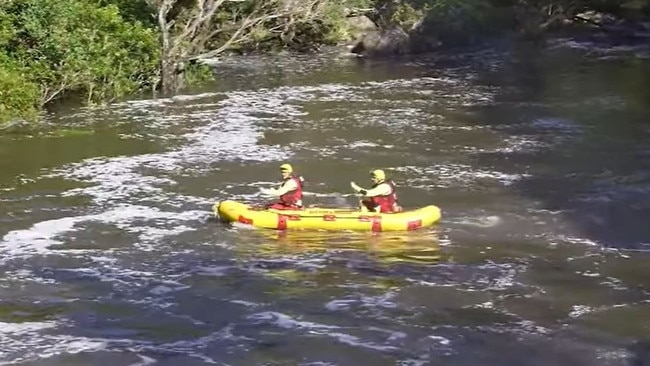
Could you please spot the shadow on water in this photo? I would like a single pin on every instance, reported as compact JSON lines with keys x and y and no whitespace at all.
{"x":640,"y":354}
{"x":585,"y":120}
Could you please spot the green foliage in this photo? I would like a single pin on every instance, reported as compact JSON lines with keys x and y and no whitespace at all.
{"x":18,"y":97}
{"x":133,"y":11}
{"x":333,"y":27}
{"x":78,"y":46}
{"x":407,"y":15}
{"x":7,"y":31}
{"x":53,"y":47}
{"x":198,"y":74}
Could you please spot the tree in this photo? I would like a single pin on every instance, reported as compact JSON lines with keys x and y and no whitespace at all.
{"x":192,"y":30}
{"x":78,"y":46}
{"x":49,"y":48}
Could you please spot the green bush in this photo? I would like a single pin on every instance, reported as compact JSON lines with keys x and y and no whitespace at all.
{"x":18,"y":96}
{"x":78,"y":46}
{"x":133,"y":11}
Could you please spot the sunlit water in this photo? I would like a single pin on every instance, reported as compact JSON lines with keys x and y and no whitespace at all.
{"x":539,"y":159}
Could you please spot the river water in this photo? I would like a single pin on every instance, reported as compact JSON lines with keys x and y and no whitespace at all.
{"x":539,"y":160}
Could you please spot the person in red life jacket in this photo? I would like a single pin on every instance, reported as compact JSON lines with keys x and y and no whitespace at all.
{"x":289,"y":192}
{"x":381,"y":197}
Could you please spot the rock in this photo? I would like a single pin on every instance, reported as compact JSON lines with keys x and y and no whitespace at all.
{"x":360,"y":24}
{"x":210,"y":62}
{"x":594,"y":17}
{"x":422,"y":39}
{"x":622,"y":27}
{"x":395,"y":41}
{"x":421,"y":43}
{"x":389,"y":42}
{"x":15,"y":126}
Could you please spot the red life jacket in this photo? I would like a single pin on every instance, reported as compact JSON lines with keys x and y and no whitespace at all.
{"x":387,"y":203}
{"x":293,"y":198}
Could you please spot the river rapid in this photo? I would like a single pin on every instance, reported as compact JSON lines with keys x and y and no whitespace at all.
{"x":538,"y":158}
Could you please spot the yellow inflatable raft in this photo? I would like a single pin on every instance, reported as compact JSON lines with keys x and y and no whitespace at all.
{"x":326,"y":218}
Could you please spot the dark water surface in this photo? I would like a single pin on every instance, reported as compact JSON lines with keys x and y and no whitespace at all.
{"x":539,"y":159}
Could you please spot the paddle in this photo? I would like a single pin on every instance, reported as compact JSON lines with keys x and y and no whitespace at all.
{"x":340,"y":198}
{"x":333,"y":194}
{"x":269,"y":192}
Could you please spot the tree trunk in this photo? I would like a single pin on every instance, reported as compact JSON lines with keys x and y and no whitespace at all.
{"x":187,"y":27}
{"x":167,"y":77}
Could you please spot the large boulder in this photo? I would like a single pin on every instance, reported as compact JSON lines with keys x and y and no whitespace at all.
{"x":422,"y":39}
{"x":389,"y":42}
{"x":360,"y":24}
{"x":397,"y":41}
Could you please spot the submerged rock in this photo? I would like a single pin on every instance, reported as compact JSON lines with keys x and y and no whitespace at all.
{"x":15,"y":126}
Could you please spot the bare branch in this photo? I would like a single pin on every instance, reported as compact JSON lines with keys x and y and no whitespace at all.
{"x":184,"y":37}
{"x":48,"y":95}
{"x":238,"y":36}
{"x":206,"y":10}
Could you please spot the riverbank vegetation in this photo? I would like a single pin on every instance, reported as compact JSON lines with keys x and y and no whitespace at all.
{"x":99,"y":51}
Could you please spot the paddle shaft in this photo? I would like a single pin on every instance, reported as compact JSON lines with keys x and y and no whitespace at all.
{"x":334,"y":194}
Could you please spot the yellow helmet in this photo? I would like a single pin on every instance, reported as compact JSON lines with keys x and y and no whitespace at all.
{"x":378,"y":174}
{"x":286,"y":168}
